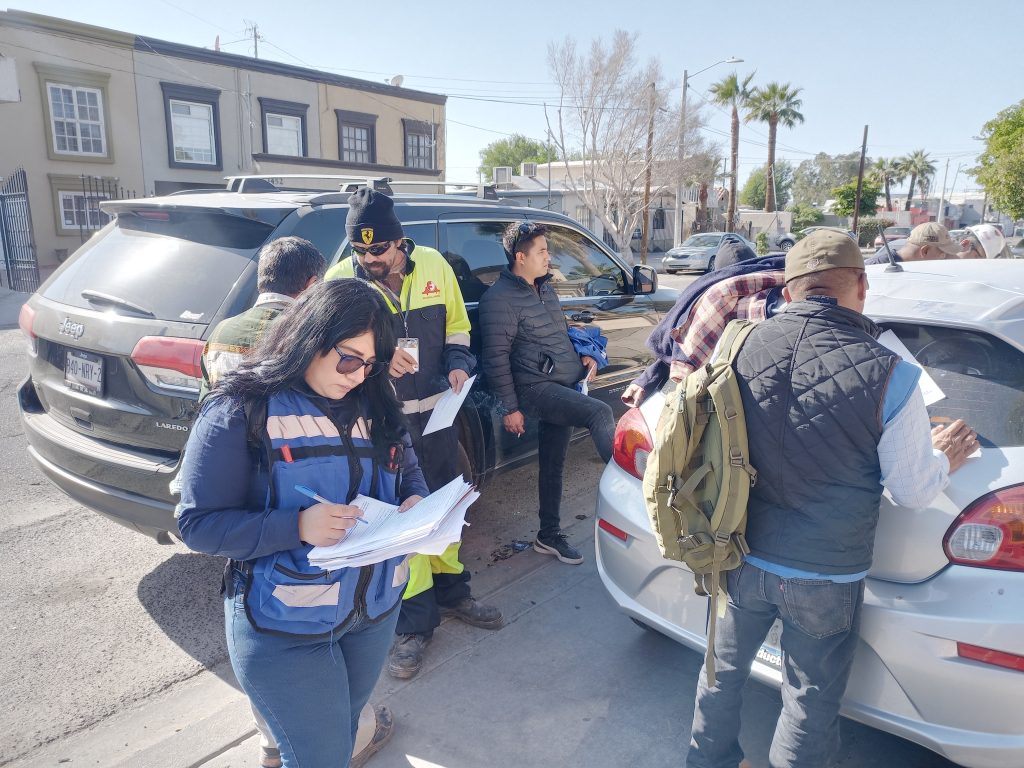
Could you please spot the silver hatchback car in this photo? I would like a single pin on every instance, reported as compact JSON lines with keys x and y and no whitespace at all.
{"x":941,"y":653}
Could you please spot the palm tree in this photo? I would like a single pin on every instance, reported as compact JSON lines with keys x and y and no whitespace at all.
{"x":732,"y":92}
{"x":916,"y":165}
{"x":773,"y":104}
{"x":886,"y":171}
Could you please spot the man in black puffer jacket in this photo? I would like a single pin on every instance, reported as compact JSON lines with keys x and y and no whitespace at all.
{"x":532,"y":367}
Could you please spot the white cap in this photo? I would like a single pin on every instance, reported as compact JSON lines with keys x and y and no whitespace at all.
{"x":990,"y":237}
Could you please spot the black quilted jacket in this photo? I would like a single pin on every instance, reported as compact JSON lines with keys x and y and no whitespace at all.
{"x":525,"y":339}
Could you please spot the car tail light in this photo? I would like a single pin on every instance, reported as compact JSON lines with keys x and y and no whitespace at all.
{"x":26,"y":317}
{"x":170,"y":363}
{"x":989,"y":656}
{"x":618,"y":533}
{"x":990,"y":532}
{"x":633,"y":443}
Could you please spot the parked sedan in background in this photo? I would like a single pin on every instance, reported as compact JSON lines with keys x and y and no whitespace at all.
{"x":808,"y":230}
{"x":892,"y":233}
{"x":941,"y":653}
{"x":698,"y":252}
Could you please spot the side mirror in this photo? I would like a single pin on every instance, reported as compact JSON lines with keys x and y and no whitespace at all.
{"x":645,"y":280}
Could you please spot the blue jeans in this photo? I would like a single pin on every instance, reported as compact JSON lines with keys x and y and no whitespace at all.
{"x":308,"y":690}
{"x":821,"y":622}
{"x":559,"y":409}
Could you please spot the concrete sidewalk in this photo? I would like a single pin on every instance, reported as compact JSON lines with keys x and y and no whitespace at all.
{"x":10,"y":307}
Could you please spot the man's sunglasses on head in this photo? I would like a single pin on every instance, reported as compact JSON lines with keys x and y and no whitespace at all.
{"x":524,"y":229}
{"x":374,"y":250}
{"x":351,"y":363}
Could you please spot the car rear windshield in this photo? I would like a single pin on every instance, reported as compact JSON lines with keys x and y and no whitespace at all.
{"x":702,"y":241}
{"x":981,"y":376}
{"x":176,"y":265}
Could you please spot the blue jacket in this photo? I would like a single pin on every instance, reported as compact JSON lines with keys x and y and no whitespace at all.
{"x":590,"y":342}
{"x":238,"y":504}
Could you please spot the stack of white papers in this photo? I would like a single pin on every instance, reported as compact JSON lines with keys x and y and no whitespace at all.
{"x":428,"y":528}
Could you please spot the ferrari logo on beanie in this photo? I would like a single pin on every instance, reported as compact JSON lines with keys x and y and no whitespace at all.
{"x":367,"y":234}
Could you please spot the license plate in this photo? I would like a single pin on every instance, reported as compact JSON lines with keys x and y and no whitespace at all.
{"x":770,"y":652}
{"x":83,"y":372}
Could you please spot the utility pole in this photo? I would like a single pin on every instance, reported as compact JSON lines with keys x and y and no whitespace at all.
{"x":938,"y":211}
{"x":255,"y":38}
{"x":677,"y":220}
{"x":860,"y":179}
{"x":649,"y":161}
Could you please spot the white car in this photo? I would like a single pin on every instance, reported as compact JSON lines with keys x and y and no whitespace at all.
{"x":941,"y":653}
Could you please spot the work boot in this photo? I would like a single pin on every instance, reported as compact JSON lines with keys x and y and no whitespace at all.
{"x":475,"y":614}
{"x":385,"y":726}
{"x":556,"y":544}
{"x":406,"y":656}
{"x":270,"y":757}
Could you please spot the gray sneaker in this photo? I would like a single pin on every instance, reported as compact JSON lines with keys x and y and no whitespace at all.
{"x":556,"y":544}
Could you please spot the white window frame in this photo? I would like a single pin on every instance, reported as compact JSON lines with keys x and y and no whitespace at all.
{"x":296,"y":132}
{"x":77,"y":120}
{"x":214,"y":160}
{"x":88,"y":206}
{"x":355,"y":148}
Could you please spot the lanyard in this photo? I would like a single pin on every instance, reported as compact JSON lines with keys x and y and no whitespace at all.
{"x":396,"y":301}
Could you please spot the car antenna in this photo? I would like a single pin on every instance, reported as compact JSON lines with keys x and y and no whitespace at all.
{"x":894,"y":266}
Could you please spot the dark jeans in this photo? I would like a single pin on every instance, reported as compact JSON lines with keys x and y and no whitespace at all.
{"x":821,"y":622}
{"x":559,"y":409}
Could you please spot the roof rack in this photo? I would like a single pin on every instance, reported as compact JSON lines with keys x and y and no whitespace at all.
{"x":384,"y":184}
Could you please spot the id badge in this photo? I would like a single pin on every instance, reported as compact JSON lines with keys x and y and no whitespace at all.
{"x":412,"y":346}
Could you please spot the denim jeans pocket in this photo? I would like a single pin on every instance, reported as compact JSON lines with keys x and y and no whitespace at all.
{"x":820,"y":608}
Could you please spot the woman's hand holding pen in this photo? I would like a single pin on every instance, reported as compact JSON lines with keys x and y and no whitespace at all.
{"x":325,"y":524}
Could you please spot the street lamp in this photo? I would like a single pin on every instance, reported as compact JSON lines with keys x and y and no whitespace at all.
{"x":678,"y":223}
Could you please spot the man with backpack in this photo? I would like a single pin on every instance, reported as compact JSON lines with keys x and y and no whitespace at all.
{"x":831,"y":416}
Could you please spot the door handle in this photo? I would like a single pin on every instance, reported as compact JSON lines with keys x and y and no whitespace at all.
{"x":582,"y":317}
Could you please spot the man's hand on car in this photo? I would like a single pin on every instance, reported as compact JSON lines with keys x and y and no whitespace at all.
{"x":591,"y":366}
{"x":514,"y":423}
{"x":633,"y":396}
{"x":957,"y":441}
{"x":402,"y":363}
{"x":457,"y":378}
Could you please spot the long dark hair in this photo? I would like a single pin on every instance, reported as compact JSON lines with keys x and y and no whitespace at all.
{"x":325,"y":314}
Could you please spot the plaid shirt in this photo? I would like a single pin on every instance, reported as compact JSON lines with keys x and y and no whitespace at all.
{"x":739,"y":298}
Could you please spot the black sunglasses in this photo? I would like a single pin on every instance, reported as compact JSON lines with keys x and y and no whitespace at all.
{"x":523,"y":230}
{"x":351,"y":363}
{"x":374,"y":250}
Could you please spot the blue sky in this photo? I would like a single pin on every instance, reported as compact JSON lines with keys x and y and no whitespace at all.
{"x":920,"y":74}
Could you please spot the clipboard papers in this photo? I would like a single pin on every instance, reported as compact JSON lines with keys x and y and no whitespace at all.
{"x":428,"y":528}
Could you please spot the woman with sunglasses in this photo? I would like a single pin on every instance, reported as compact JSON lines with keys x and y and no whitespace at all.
{"x":307,"y":408}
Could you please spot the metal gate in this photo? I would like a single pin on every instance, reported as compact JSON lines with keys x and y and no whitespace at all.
{"x":17,"y":247}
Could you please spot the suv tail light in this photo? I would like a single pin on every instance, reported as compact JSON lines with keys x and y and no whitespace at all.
{"x":170,"y":363}
{"x":633,"y":443}
{"x":26,"y":317}
{"x":990,"y":532}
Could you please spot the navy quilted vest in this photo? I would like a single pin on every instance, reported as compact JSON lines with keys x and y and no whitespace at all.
{"x":813,"y":379}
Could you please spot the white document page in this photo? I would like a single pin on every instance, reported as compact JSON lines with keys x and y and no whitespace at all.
{"x":930,"y":390}
{"x":447,"y":408}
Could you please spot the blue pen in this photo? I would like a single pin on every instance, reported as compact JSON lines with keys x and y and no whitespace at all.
{"x":317,"y":497}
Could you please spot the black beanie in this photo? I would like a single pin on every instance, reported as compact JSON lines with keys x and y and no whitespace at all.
{"x":732,"y":252}
{"x":371,"y":218}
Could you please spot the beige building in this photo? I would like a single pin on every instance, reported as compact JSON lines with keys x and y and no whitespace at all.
{"x":93,"y":114}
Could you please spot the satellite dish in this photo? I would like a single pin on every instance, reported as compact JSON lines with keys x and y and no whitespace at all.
{"x":397,"y":80}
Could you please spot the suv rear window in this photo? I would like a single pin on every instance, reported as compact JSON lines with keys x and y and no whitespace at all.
{"x":175,"y":266}
{"x":981,"y":376}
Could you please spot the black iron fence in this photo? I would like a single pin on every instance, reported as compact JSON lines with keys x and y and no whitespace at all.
{"x":17,"y":246}
{"x":87,"y":213}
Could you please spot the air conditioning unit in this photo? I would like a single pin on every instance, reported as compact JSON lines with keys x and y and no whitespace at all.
{"x":502,"y":174}
{"x":529,"y":169}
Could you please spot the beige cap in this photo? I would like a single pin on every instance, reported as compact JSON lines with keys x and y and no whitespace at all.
{"x":934,"y":234}
{"x":821,"y":250}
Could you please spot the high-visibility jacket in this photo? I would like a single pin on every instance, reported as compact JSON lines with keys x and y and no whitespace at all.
{"x":429,"y":308}
{"x":284,"y":593}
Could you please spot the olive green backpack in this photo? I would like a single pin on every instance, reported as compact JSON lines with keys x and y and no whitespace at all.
{"x":698,"y":477}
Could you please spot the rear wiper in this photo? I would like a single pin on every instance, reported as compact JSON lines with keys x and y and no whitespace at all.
{"x":95,"y":297}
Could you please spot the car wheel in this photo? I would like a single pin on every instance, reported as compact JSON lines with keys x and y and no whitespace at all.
{"x":785,"y":245}
{"x":711,"y":264}
{"x":671,"y":271}
{"x":463,"y":465}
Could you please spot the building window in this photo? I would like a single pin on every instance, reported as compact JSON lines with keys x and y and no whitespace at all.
{"x":583,"y":215}
{"x":79,"y":211}
{"x":76,"y":111}
{"x":658,"y":220}
{"x":284,"y":127}
{"x":193,"y":126}
{"x":357,"y":137}
{"x":419,"y":144}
